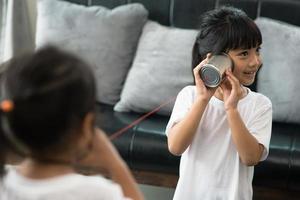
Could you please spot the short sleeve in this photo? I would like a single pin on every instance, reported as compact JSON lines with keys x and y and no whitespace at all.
{"x":97,"y":187}
{"x":66,"y":187}
{"x":111,"y":191}
{"x":115,"y":193}
{"x":261,"y":125}
{"x":181,"y":107}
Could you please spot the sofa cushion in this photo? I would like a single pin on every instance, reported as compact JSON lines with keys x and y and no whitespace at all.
{"x":161,"y":68}
{"x":105,"y":38}
{"x":279,"y":77}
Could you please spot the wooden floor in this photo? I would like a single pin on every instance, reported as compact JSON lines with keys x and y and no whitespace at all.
{"x":261,"y":193}
{"x":170,"y":180}
{"x":167,"y":180}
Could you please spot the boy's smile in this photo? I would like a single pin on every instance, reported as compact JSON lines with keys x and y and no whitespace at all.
{"x":246,"y":64}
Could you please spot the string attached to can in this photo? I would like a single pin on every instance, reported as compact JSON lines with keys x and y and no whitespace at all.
{"x":140,"y":119}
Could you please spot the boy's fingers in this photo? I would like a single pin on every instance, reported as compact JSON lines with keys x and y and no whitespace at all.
{"x":208,"y":56}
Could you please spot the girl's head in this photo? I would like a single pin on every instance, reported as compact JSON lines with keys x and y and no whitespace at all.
{"x":52,"y":93}
{"x":229,"y":30}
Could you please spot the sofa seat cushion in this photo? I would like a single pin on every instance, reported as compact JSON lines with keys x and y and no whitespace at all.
{"x":144,"y":148}
{"x":275,"y":170}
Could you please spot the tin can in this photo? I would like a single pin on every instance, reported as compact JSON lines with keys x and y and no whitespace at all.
{"x":213,"y":72}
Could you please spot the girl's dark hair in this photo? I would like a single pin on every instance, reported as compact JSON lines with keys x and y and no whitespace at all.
{"x":51,"y":91}
{"x":222,"y":30}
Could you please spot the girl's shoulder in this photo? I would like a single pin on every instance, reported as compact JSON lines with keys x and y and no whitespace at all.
{"x":86,"y":186}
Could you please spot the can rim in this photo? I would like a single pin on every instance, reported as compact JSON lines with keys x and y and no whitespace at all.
{"x":217,"y":70}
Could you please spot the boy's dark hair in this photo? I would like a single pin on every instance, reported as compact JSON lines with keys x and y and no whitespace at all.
{"x":222,"y":30}
{"x":51,"y":91}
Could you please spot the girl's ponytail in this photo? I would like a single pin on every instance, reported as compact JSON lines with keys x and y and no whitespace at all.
{"x":3,"y":147}
{"x":6,"y":106}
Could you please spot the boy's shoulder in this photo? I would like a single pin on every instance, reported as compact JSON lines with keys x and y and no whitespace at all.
{"x":188,"y":91}
{"x":260,"y":98}
{"x":189,"y":88}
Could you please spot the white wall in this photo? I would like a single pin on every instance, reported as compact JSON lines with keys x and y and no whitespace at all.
{"x":32,"y":11}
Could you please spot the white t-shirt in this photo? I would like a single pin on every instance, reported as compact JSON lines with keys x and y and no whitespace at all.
{"x":14,"y":186}
{"x":210,"y":168}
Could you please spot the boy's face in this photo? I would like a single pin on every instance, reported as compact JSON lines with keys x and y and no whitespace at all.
{"x":246,"y":64}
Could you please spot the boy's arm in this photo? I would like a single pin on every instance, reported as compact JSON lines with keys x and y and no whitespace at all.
{"x":182,"y":134}
{"x":249,"y":149}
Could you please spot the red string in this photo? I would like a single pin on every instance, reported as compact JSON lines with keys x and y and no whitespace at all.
{"x":137,"y":121}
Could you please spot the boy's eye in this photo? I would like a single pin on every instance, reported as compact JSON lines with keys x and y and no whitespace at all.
{"x":244,"y":53}
{"x":258,"y":49}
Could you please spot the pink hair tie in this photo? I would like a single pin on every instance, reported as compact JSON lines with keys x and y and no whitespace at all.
{"x":7,"y":106}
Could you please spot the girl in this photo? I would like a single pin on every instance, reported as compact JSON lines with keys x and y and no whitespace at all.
{"x":48,"y":115}
{"x":221,"y":132}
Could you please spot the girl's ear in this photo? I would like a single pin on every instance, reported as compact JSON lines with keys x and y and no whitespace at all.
{"x":88,"y":131}
{"x":88,"y":126}
{"x":86,"y":137}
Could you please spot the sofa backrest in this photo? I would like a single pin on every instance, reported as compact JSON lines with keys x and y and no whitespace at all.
{"x":185,"y":13}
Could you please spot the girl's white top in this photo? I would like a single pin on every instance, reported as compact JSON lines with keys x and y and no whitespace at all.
{"x":68,"y":187}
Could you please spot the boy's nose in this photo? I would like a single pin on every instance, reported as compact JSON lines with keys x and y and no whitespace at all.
{"x":255,"y":60}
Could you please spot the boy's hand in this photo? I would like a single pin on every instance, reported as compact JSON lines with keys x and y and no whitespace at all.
{"x":231,"y":89}
{"x":203,"y":91}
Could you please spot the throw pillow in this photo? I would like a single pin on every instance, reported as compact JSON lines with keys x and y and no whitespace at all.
{"x":279,"y":77}
{"x":104,"y":38}
{"x":161,"y":68}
